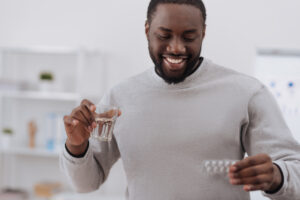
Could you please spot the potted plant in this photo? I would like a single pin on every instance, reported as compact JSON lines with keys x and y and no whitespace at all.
{"x":46,"y":81}
{"x":6,"y":137}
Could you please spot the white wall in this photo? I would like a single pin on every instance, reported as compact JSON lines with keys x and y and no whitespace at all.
{"x":236,"y":28}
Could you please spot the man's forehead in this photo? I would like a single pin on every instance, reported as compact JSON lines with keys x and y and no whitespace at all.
{"x":170,"y":13}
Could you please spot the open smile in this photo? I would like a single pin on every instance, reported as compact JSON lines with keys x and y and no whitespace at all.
{"x":174,"y":63}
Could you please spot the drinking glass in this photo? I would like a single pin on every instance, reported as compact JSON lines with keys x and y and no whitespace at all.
{"x":106,"y":116}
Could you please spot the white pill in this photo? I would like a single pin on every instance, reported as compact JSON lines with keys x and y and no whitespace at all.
{"x":207,"y":163}
{"x":216,"y":169}
{"x":213,"y":163}
{"x":227,"y":163}
{"x":208,"y":169}
{"x":222,"y":169}
{"x":220,"y":163}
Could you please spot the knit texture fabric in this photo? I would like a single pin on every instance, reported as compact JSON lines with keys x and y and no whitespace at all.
{"x":166,"y":131}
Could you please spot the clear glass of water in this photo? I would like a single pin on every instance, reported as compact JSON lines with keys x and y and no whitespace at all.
{"x":106,"y":116}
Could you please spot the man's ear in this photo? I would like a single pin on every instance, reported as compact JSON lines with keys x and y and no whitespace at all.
{"x":147,"y":27}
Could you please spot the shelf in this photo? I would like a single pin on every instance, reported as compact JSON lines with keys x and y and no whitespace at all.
{"x":24,"y":151}
{"x":47,"y":50}
{"x":22,"y":101}
{"x":90,"y":196}
{"x":60,"y":96}
{"x":278,"y":52}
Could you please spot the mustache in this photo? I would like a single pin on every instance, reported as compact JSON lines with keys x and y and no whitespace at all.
{"x":172,"y":55}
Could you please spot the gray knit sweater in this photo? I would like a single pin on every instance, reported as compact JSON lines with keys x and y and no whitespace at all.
{"x":166,"y":131}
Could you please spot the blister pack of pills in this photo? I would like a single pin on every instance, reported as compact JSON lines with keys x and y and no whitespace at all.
{"x":217,"y":167}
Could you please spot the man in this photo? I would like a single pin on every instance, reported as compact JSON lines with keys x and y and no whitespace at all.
{"x":183,"y":112}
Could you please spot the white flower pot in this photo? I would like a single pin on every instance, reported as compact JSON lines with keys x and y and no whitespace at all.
{"x":46,"y":86}
{"x":6,"y":141}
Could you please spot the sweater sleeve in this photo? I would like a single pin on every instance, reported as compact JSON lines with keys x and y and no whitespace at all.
{"x":87,"y":173}
{"x":268,"y":133}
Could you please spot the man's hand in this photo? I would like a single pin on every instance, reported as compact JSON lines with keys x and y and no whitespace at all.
{"x":78,"y":125}
{"x":256,"y":173}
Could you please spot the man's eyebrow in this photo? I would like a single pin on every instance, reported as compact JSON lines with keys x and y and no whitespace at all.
{"x":165,"y":29}
{"x":185,"y":32}
{"x":190,"y":31}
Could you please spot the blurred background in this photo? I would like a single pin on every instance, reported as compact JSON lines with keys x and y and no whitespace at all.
{"x":54,"y":53}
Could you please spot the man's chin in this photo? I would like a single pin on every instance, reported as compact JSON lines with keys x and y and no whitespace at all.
{"x":171,"y":77}
{"x":174,"y":80}
{"x":174,"y":73}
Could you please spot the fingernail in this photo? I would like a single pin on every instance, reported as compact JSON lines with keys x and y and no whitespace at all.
{"x":231,"y":175}
{"x":247,"y":187}
{"x":75,"y":122}
{"x":234,"y":181}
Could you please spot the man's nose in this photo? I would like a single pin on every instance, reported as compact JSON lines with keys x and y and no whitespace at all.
{"x":176,"y":46}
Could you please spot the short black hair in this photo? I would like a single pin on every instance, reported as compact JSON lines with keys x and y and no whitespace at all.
{"x":154,"y":3}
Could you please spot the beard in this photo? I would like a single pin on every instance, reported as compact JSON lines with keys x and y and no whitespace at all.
{"x":191,"y":65}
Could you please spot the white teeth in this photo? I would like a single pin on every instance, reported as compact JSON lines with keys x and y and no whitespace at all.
{"x":174,"y":61}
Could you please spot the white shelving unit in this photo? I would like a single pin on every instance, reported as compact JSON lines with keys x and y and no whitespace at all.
{"x":20,"y":166}
{"x":58,"y":96}
{"x":38,"y":152}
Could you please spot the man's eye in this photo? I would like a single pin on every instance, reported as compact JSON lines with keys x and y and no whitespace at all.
{"x":163,"y":37}
{"x":188,"y":39}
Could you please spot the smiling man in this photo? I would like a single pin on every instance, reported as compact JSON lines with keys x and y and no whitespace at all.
{"x":175,"y":39}
{"x":185,"y":111}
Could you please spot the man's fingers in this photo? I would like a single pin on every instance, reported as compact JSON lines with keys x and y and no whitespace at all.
{"x":257,"y":180}
{"x":69,"y":121}
{"x":84,"y":131}
{"x":250,"y":161}
{"x":83,"y":114}
{"x":90,"y":129}
{"x":253,"y":171}
{"x":94,"y":125}
{"x":89,"y":104}
{"x":110,"y":113}
{"x":249,"y":188}
{"x":87,"y":113}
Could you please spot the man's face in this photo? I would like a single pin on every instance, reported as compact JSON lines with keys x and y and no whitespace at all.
{"x":175,"y":38}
